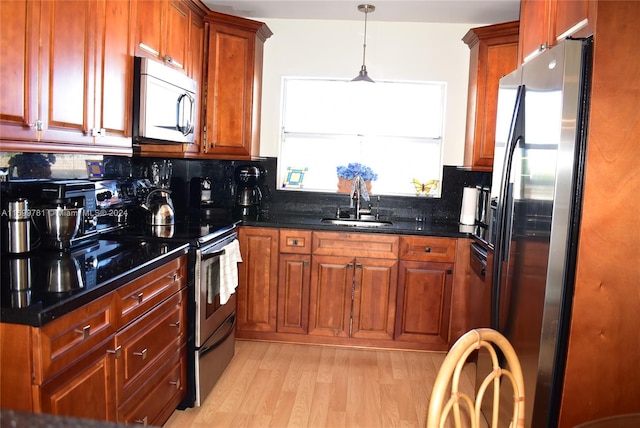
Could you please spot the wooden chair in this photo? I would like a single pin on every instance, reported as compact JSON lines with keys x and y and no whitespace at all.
{"x":446,"y":398}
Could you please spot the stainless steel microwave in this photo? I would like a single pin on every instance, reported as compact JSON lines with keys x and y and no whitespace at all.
{"x":164,"y":104}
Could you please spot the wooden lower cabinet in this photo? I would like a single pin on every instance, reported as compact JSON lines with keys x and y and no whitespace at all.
{"x":257,"y":278}
{"x":354,"y":289}
{"x":353,"y":297}
{"x":82,"y":365}
{"x":83,"y":390}
{"x":330,"y":296}
{"x":294,"y":277}
{"x":424,"y":302}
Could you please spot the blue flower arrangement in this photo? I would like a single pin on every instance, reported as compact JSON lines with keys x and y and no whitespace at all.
{"x":350,"y":171}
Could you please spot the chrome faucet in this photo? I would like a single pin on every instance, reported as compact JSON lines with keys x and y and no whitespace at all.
{"x":358,"y":192}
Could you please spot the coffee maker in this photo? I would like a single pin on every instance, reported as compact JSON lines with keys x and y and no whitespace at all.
{"x":248,"y":194}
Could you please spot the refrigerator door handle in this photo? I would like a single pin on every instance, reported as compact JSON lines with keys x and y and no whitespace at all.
{"x":501,"y":255}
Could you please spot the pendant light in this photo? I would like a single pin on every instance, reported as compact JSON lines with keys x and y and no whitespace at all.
{"x":363,"y":76}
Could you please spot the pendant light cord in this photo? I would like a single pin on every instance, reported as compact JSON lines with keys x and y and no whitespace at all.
{"x":364,"y":43}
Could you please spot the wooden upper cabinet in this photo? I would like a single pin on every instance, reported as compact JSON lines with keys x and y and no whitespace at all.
{"x":494,"y":53}
{"x":163,"y":31}
{"x":149,"y":27}
{"x":19,"y":71}
{"x":234,"y":89}
{"x":74,"y":87}
{"x":114,"y":87}
{"x":545,"y":22}
{"x":177,"y":39}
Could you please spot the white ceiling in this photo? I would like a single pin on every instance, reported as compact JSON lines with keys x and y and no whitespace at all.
{"x":445,"y":11}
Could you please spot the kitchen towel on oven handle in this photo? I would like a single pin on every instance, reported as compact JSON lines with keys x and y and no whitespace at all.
{"x":229,"y":270}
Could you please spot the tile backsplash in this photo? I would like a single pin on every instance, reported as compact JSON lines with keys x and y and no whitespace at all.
{"x":53,"y":166}
{"x":187,"y":174}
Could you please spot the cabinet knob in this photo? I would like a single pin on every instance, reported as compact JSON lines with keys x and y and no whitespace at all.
{"x":143,"y":421}
{"x":117,"y":352}
{"x":142,"y":354}
{"x":175,"y":324}
{"x":427,"y":249}
{"x":176,"y":383}
{"x":86,"y":331}
{"x":295,"y":242}
{"x":138,"y":297}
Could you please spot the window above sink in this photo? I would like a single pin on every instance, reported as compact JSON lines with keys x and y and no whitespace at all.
{"x":395,"y":128}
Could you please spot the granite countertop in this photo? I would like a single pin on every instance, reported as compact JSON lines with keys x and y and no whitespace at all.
{"x":34,"y":304}
{"x":398,"y":227}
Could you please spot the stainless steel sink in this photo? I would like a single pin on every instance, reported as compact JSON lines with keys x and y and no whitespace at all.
{"x":356,"y":223}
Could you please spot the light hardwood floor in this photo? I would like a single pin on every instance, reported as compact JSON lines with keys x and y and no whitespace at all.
{"x":289,"y":385}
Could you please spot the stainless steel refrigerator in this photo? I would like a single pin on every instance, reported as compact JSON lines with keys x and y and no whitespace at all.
{"x":535,"y":212}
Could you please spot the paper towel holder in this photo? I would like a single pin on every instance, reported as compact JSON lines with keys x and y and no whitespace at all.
{"x":469,"y":206}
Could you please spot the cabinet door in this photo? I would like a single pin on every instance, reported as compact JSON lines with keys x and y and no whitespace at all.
{"x":177,"y":34}
{"x":230,"y":91}
{"x":424,"y":302}
{"x":374,"y":302}
{"x":68,"y":52}
{"x":574,"y":18}
{"x":19,"y":71}
{"x":83,"y":390}
{"x":149,"y":28}
{"x":331,"y":296}
{"x":114,"y":79}
{"x":493,"y":53}
{"x":257,"y":279}
{"x":293,"y":293}
{"x":534,"y":26}
{"x":195,"y":70}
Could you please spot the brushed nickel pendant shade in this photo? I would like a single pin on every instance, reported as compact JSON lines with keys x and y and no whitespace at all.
{"x":362,"y":75}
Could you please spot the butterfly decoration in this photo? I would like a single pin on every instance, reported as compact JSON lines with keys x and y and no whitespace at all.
{"x":424,"y":188}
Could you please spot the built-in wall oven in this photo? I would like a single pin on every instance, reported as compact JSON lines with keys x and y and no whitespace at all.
{"x":215,"y":320}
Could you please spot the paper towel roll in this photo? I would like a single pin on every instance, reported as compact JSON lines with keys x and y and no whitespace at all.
{"x":469,"y":202}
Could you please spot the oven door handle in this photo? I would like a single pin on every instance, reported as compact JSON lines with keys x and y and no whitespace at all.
{"x":231,"y":323}
{"x":207,"y":256}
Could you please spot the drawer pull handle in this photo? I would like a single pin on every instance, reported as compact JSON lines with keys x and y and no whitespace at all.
{"x":358,"y":265}
{"x":138,"y":297}
{"x":142,"y":354}
{"x":173,"y":277}
{"x":175,"y":324}
{"x":427,"y":249}
{"x":176,"y":383}
{"x":142,"y":421}
{"x":305,"y":263}
{"x":117,"y":352}
{"x":86,"y":331}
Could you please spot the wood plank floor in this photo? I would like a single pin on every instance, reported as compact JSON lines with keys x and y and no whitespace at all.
{"x":290,"y":385}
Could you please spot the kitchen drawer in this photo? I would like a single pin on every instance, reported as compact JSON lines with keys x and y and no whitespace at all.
{"x":149,"y":341}
{"x":427,"y":249}
{"x":158,"y":397}
{"x":142,"y":294}
{"x":61,"y":342}
{"x":355,"y":244}
{"x":295,"y":241}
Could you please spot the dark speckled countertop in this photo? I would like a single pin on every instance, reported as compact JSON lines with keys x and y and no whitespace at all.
{"x":398,"y":226}
{"x":33,"y":303}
